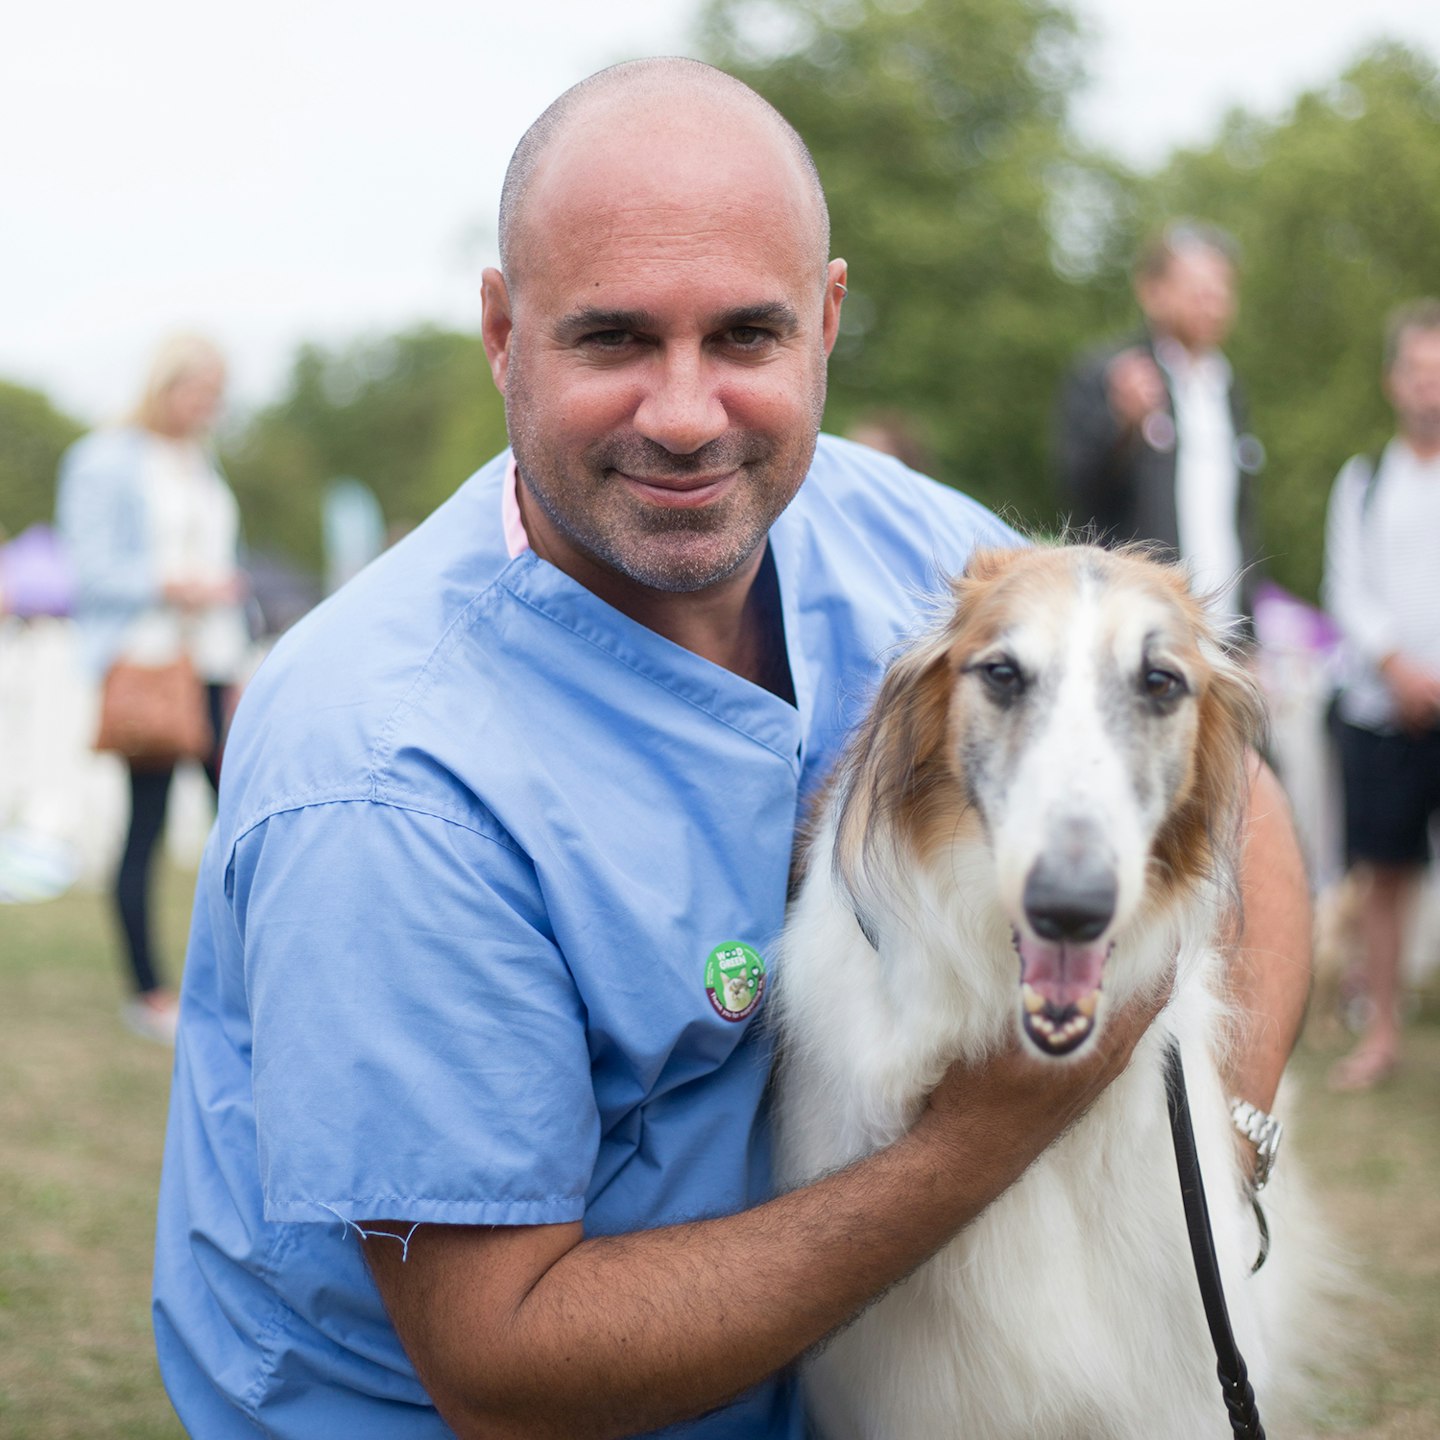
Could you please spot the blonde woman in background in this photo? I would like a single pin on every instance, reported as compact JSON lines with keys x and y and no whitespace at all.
{"x":152,"y":530}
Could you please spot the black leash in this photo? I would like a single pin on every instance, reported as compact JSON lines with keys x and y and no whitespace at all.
{"x":1234,"y":1380}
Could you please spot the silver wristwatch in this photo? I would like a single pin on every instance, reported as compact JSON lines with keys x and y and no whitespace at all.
{"x":1263,"y":1131}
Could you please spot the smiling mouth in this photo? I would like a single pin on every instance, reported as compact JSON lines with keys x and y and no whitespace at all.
{"x":1057,"y":1029}
{"x":680,"y":492}
{"x":1059,"y":991}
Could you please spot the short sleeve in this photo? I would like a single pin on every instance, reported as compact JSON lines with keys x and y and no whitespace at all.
{"x":1368,"y":627}
{"x":419,"y":1048}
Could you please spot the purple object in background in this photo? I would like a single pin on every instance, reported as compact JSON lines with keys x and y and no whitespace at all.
{"x":1285,"y":622}
{"x":35,"y":576}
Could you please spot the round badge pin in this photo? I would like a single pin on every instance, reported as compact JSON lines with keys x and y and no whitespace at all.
{"x":734,"y":979}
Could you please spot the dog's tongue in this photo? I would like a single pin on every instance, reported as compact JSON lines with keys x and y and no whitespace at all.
{"x":1059,"y":991}
{"x":1061,"y":974}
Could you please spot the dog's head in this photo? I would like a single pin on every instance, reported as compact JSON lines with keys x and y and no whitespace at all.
{"x":1077,"y":717}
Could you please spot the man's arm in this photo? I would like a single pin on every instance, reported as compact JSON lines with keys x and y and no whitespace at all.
{"x":1416,"y":692}
{"x":1270,"y":969}
{"x":1345,"y":589}
{"x":1095,"y":437}
{"x":539,"y":1332}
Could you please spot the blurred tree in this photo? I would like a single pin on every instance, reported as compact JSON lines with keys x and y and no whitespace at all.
{"x":979,"y":240}
{"x":1337,"y":207}
{"x":33,"y":436}
{"x":985,"y":248}
{"x":411,"y":415}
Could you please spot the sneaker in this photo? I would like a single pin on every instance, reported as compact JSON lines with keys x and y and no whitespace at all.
{"x":152,"y":1019}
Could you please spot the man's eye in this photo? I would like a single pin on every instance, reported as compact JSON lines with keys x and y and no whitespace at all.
{"x":607,"y":339}
{"x":748,"y":337}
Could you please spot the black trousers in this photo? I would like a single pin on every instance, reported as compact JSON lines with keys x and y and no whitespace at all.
{"x":149,"y":792}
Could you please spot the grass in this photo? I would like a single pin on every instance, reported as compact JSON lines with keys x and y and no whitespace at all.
{"x":82,"y":1118}
{"x":82,"y":1112}
{"x":1375,"y":1159}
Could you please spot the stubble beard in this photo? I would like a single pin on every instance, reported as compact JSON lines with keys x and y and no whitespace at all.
{"x":673,"y":550}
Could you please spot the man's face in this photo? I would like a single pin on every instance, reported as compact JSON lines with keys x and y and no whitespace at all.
{"x":1193,"y":299}
{"x":662,"y":350}
{"x":1413,"y":386}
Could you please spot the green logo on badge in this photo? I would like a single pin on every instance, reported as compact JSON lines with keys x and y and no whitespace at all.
{"x":734,"y":979}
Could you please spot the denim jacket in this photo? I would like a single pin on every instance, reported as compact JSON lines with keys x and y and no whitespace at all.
{"x":101,"y":516}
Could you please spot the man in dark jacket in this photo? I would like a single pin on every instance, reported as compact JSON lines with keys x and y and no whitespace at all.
{"x":1151,"y":438}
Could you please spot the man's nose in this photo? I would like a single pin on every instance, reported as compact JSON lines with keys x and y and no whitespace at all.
{"x":681,"y":408}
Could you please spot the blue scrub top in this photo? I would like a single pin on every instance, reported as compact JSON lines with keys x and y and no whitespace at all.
{"x":487,"y":853}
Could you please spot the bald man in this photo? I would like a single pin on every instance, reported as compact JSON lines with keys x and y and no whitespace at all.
{"x":467,"y":1131}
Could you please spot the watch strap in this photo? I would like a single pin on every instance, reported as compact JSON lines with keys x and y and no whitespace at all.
{"x":1263,"y":1131}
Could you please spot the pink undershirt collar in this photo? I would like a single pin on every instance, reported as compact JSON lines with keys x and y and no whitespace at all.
{"x":517,"y":542}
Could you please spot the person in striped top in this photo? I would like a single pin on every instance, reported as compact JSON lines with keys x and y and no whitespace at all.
{"x":1383,"y":588}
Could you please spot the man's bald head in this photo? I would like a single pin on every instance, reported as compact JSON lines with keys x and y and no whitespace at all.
{"x":638,"y":100}
{"x":660,"y":332}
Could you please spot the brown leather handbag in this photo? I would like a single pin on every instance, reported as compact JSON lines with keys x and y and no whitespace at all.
{"x":154,"y":715}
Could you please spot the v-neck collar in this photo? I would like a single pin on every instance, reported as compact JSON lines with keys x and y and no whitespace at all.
{"x":733,"y":700}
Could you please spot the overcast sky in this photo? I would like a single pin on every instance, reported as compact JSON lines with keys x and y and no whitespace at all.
{"x":320,"y":169}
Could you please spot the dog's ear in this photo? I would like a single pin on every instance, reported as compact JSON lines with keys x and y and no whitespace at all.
{"x":1202,"y":836}
{"x":897,"y":772}
{"x":1232,"y":724}
{"x":895,"y":762}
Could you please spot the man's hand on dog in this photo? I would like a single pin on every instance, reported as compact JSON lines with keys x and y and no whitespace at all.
{"x":1010,"y":1107}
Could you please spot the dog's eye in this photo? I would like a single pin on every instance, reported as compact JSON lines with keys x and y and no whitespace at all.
{"x":1003,"y":679}
{"x":1161,"y":685}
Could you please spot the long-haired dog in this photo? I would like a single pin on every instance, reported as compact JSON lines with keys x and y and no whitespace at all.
{"x":1039,"y":817}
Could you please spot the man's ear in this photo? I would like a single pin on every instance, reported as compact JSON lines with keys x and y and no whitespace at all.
{"x":835,"y":274}
{"x":496,"y":324}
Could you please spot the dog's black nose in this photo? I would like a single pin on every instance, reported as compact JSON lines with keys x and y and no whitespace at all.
{"x":1069,"y":900}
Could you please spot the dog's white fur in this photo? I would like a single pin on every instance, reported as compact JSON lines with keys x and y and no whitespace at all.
{"x":1037,"y":721}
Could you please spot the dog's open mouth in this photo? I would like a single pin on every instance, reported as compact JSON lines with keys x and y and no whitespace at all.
{"x":1059,"y":991}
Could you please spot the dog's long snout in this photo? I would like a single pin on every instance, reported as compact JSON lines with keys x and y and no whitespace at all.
{"x":1070,"y":896}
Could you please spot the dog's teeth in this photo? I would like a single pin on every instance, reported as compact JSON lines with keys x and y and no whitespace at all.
{"x":1032,"y":999}
{"x":1086,"y":1004}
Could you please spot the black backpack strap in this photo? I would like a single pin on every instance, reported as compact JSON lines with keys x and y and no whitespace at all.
{"x":1372,"y":474}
